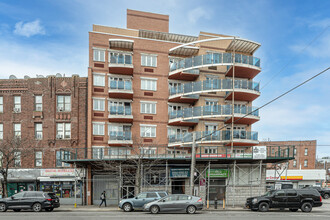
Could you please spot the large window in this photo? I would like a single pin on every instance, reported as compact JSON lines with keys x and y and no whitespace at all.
{"x":148,"y":107}
{"x":99,"y":55}
{"x":1,"y":104}
{"x":149,"y":60}
{"x":17,"y":130}
{"x":38,"y":131}
{"x":149,"y":84}
{"x":38,"y":159}
{"x":148,"y":130}
{"x":63,"y":103}
{"x":306,"y":151}
{"x":17,"y":104}
{"x":62,"y":155}
{"x":98,"y":129}
{"x":98,"y":104}
{"x":1,"y":131}
{"x":63,"y":130}
{"x":38,"y":103}
{"x":98,"y":80}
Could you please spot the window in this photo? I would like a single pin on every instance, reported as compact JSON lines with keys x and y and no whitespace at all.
{"x":294,"y":163}
{"x":98,"y":80}
{"x":294,"y":152}
{"x":306,"y":151}
{"x":99,"y":55}
{"x":17,"y":160}
{"x":1,"y":131}
{"x":149,"y":84}
{"x":118,"y":151}
{"x":63,"y":103}
{"x":210,"y":150}
{"x":17,"y":130}
{"x":19,"y":195}
{"x":120,"y":58}
{"x":148,"y":130}
{"x":38,"y":131}
{"x":280,"y":193}
{"x":98,"y":129}
{"x":98,"y":104}
{"x":152,"y":195}
{"x":305,"y":163}
{"x":171,"y":198}
{"x":98,"y":152}
{"x":148,"y":107}
{"x":62,"y":155}
{"x":38,"y":159}
{"x":17,"y":104}
{"x":142,"y":196}
{"x":291,"y":193}
{"x":38,"y":103}
{"x":149,"y":60}
{"x":63,"y":130}
{"x":155,"y":178}
{"x":1,"y":104}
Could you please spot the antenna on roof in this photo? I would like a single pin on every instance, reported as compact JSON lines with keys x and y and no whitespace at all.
{"x":12,"y":77}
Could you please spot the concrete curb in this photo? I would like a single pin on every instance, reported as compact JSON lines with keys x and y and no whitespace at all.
{"x":113,"y":209}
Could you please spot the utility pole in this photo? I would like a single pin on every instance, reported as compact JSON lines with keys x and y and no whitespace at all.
{"x":192,"y":166}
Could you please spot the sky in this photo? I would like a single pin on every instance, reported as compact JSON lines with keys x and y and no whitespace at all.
{"x":45,"y":37}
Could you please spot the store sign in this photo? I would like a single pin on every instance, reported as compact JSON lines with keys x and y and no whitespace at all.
{"x":292,"y":178}
{"x":222,"y":173}
{"x":57,"y":172}
{"x":180,"y":172}
{"x":259,"y":152}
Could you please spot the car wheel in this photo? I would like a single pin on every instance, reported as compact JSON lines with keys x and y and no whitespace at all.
{"x":16,"y":210}
{"x":326,"y":196}
{"x":306,"y":207}
{"x":3,"y":207}
{"x":37,"y":207}
{"x":49,"y":209}
{"x":263,"y":207}
{"x":293,"y":210}
{"x":191,"y":209}
{"x":127,"y":207}
{"x":154,"y":209}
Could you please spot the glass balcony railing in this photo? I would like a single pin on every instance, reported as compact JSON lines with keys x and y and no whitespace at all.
{"x":120,"y":58}
{"x":120,"y":136}
{"x":120,"y":85}
{"x":213,"y":85}
{"x":120,"y":110}
{"x":214,"y":136}
{"x":212,"y":110}
{"x":213,"y":58}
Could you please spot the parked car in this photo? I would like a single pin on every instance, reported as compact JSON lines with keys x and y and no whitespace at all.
{"x":177,"y":202}
{"x":304,"y":199}
{"x":138,"y":202}
{"x":37,"y":201}
{"x":325,"y":193}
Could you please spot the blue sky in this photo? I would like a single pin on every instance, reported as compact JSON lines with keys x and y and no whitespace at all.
{"x":46,"y":37}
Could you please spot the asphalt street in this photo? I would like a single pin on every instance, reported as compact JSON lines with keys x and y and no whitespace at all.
{"x":317,"y":213}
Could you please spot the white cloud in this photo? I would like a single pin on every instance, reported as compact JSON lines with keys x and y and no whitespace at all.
{"x":29,"y":29}
{"x":197,"y":14}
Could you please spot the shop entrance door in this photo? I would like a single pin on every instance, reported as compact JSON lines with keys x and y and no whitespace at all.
{"x":178,"y":186}
{"x":217,"y":190}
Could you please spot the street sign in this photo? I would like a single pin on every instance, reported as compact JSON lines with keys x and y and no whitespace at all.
{"x":220,"y":173}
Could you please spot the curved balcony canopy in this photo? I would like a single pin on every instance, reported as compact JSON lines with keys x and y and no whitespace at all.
{"x":187,"y":75}
{"x":189,"y":92}
{"x":240,"y":138}
{"x":187,"y":115}
{"x":121,"y":44}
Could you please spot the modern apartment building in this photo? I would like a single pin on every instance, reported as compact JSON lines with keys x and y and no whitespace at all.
{"x":51,"y":113}
{"x":150,"y":91}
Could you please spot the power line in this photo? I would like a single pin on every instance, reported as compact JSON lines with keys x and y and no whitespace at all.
{"x":293,"y":58}
{"x":271,"y":101}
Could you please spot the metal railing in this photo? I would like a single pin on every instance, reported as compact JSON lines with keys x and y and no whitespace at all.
{"x":213,"y":86}
{"x":120,"y":85}
{"x":120,"y":58}
{"x":120,"y":110}
{"x":120,"y":136}
{"x":213,"y":59}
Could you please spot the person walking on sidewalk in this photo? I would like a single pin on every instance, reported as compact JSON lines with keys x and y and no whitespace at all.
{"x":103,"y":199}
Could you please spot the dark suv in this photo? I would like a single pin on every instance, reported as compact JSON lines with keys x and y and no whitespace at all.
{"x":325,"y":193}
{"x":304,"y":199}
{"x":34,"y":200}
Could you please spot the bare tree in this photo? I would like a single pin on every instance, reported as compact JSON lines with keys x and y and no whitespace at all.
{"x":12,"y":151}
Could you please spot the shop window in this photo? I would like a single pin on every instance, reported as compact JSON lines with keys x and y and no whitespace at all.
{"x":155,"y":178}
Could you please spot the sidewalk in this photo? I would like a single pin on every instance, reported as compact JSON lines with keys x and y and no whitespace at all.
{"x":94,"y":208}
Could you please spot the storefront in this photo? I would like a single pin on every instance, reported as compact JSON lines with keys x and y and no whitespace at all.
{"x":217,"y":184}
{"x":179,"y":180}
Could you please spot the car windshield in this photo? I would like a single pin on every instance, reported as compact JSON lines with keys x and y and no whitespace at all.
{"x":269,"y":193}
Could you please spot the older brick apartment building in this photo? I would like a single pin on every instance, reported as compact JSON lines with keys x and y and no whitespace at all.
{"x":51,"y":112}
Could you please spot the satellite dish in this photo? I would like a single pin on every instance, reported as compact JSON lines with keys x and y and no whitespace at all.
{"x":26,"y":77}
{"x":12,"y":77}
{"x":58,"y":75}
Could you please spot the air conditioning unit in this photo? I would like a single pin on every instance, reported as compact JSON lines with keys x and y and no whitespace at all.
{"x":39,"y":109}
{"x":59,"y":136}
{"x":39,"y":136}
{"x":17,"y":110}
{"x":60,"y":109}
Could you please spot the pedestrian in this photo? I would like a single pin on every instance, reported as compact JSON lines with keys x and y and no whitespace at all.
{"x":103,"y":199}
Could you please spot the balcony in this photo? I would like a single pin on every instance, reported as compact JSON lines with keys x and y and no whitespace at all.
{"x":189,"y":92}
{"x":120,"y":89}
{"x":121,"y":114}
{"x":245,"y":66}
{"x":187,"y":75}
{"x":120,"y":138}
{"x":190,"y":116}
{"x":240,"y":138}
{"x":121,"y":63}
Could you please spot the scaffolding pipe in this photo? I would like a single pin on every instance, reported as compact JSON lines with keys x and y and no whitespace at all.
{"x":208,"y":183}
{"x":260,"y":174}
{"x":234,"y":183}
{"x":192,"y":167}
{"x":166,"y":187}
{"x":120,"y":181}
